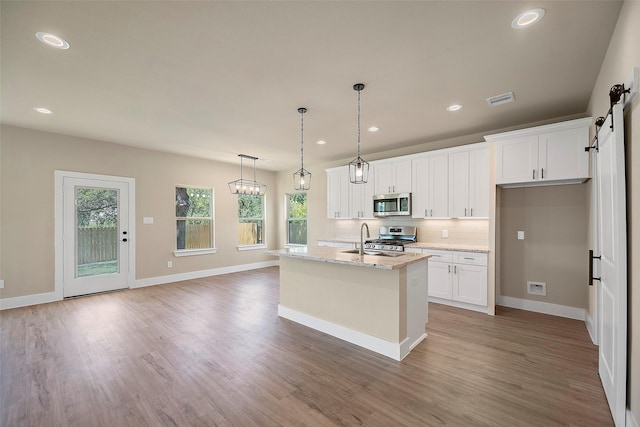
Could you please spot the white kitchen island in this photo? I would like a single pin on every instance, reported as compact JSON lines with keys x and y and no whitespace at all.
{"x":376,"y":302}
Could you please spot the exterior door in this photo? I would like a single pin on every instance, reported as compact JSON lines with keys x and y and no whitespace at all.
{"x":611,"y":246}
{"x":96,"y":235}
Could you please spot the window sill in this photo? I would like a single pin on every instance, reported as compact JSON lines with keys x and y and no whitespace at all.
{"x":294,"y":245}
{"x":252,"y":247}
{"x":193,"y":252}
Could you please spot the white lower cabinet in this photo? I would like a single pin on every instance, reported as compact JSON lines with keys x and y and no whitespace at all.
{"x":457,"y":278}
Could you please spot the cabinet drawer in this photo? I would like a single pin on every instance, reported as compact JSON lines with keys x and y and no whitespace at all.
{"x":439,"y":256}
{"x":471,"y":258}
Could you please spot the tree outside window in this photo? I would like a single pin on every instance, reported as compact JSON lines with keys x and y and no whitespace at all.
{"x":194,"y":218}
{"x":297,"y":219}
{"x":250,"y":219}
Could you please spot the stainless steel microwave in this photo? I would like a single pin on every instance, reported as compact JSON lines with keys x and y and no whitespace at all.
{"x":392,"y":204}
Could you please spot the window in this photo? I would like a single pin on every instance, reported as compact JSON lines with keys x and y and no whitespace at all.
{"x":250,"y":221}
{"x":194,"y":221}
{"x":297,"y":219}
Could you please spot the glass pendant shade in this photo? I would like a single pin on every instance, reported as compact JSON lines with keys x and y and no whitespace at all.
{"x":358,"y":168}
{"x":302,"y":177}
{"x":358,"y":171}
{"x":247,"y":186}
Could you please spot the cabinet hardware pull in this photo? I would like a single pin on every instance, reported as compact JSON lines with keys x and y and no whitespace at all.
{"x":431,"y":212}
{"x":465,"y":211}
{"x":534,"y":174}
{"x":455,"y":269}
{"x":542,"y":173}
{"x":425,"y":213}
{"x":591,"y":258}
{"x":449,"y":268}
{"x":470,"y":259}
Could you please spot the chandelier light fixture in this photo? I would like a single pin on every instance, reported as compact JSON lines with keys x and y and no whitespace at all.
{"x":358,"y":168}
{"x":246,"y":186}
{"x":302,"y":178}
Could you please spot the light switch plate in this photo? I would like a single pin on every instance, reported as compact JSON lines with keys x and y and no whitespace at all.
{"x":147,"y":220}
{"x":445,"y":233}
{"x":2,"y":284}
{"x":520,"y":235}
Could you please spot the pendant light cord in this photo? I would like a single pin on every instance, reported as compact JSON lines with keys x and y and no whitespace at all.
{"x":359,"y":123}
{"x":302,"y":140}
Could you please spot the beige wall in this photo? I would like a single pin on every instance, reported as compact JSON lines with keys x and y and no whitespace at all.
{"x":29,"y":159}
{"x":623,"y":54}
{"x":555,"y":223}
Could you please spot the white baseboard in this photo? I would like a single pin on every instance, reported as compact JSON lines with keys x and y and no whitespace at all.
{"x":543,"y":307}
{"x":396,"y":351}
{"x":161,"y":280}
{"x":458,"y":304}
{"x":591,"y":327}
{"x":47,"y":297}
{"x":631,"y":420}
{"x":16,"y":302}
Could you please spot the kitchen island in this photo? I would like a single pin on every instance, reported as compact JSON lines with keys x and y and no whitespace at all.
{"x":374,"y":301}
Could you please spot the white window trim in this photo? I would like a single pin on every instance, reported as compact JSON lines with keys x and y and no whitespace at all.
{"x":252,"y":247}
{"x":192,"y":252}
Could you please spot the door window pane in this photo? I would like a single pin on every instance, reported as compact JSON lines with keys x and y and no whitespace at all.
{"x":96,"y":231}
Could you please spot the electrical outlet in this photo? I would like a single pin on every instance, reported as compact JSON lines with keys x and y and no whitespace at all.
{"x":445,"y":233}
{"x":147,"y":220}
{"x":2,"y":284}
{"x":520,"y":235}
{"x":170,"y":264}
{"x":537,"y":288}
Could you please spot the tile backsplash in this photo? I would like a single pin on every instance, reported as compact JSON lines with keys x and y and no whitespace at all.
{"x":460,"y":231}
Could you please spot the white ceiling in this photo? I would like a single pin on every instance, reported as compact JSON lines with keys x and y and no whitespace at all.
{"x":216,"y":79}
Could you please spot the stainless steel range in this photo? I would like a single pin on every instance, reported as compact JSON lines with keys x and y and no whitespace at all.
{"x":392,"y":238}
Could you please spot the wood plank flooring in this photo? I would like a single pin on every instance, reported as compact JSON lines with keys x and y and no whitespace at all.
{"x":213,"y":351}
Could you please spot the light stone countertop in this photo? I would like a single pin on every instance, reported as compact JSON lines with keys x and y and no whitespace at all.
{"x":337,"y":256}
{"x":448,"y":247}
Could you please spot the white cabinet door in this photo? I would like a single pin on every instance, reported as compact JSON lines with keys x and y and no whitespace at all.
{"x":430,"y":187}
{"x":517,"y":160}
{"x":440,"y":279}
{"x":562,"y":155}
{"x":479,"y":183}
{"x":361,"y":199}
{"x":393,"y":177}
{"x":459,"y":185}
{"x":338,"y":193}
{"x":402,"y":176}
{"x":470,"y":284}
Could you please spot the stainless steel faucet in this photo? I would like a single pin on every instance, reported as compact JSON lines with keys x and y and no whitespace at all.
{"x":364,"y":224}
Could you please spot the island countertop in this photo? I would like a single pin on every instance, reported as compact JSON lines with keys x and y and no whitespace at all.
{"x":338,"y":256}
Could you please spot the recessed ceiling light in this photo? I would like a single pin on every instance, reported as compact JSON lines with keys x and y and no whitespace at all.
{"x":454,"y":107}
{"x":373,"y":129}
{"x":321,"y":142}
{"x":43,"y":110}
{"x":525,"y":19}
{"x":52,"y":40}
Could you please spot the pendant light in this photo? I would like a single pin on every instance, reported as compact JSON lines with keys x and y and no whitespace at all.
{"x":358,"y":168}
{"x":246,"y":186}
{"x":302,"y":178}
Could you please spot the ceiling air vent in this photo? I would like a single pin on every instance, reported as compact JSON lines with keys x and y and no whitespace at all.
{"x":505,"y":98}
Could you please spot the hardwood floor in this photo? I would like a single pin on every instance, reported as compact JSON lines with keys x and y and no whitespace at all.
{"x":214,"y":352}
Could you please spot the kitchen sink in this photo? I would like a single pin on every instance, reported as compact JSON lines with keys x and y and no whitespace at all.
{"x":375,"y":253}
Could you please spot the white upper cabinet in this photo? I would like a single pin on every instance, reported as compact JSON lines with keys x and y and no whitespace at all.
{"x":392,"y":176}
{"x":430,"y":192}
{"x":338,"y":193}
{"x":544,"y":155}
{"x":361,"y":198}
{"x":469,"y":184}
